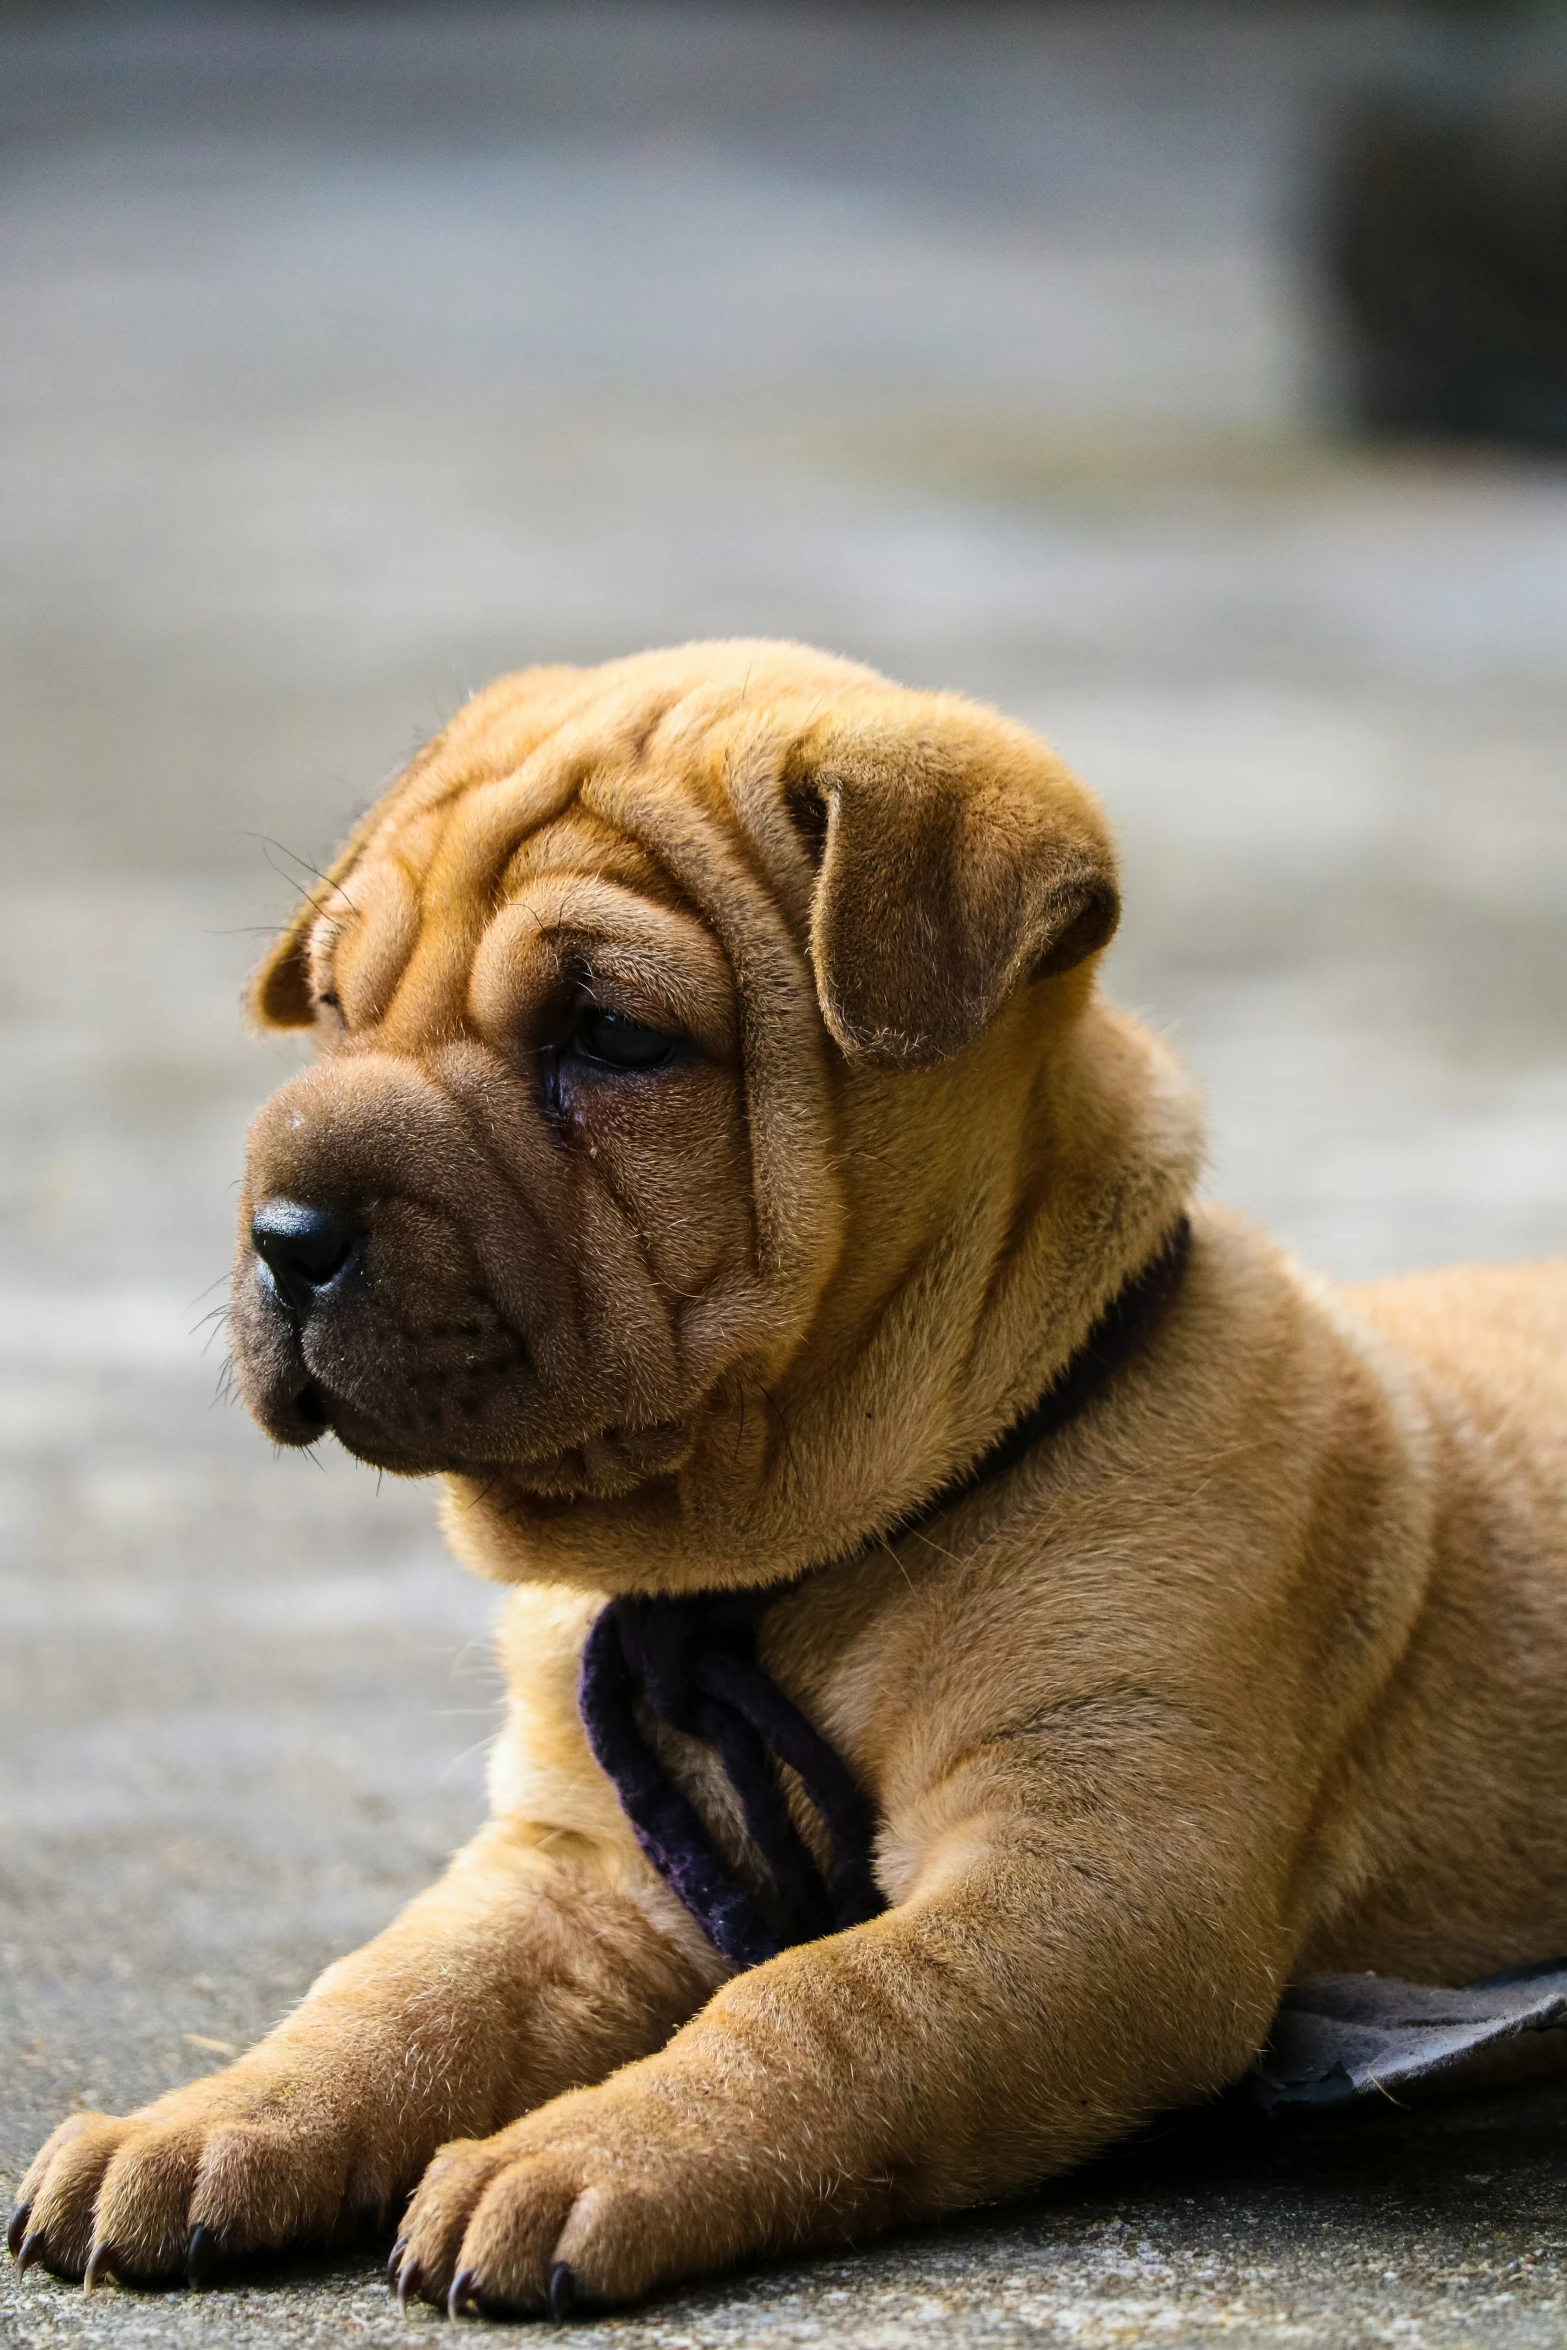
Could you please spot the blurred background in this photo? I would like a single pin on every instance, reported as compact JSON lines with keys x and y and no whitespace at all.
{"x":1190,"y":380}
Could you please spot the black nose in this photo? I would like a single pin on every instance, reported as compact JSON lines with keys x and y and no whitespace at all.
{"x":303,"y":1248}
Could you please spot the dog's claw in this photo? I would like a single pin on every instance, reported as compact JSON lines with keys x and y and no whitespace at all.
{"x":16,"y":2233}
{"x":563,"y":2293}
{"x":461,"y":2294}
{"x":32,"y":2248}
{"x":202,"y":2255}
{"x":100,"y":2264}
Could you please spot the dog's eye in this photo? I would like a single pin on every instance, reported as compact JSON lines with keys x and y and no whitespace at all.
{"x":619,"y":1043}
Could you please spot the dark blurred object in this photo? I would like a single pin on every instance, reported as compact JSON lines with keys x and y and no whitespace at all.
{"x":1341,"y":2037}
{"x":1445,"y":245}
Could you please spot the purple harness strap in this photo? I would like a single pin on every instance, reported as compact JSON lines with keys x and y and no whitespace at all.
{"x":691,"y":1661}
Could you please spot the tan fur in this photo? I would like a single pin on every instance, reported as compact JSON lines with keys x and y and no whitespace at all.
{"x":1258,"y":1666}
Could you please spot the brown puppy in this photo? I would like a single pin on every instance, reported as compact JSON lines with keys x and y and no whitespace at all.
{"x":715,"y":1142}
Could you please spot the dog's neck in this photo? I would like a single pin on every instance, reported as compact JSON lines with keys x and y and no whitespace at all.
{"x":689,"y":1660}
{"x":929,"y":1342}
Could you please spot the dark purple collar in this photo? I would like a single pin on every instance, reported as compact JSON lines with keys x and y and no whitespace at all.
{"x":690,"y":1661}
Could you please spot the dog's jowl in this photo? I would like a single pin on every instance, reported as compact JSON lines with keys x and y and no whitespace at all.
{"x":981,"y":1620}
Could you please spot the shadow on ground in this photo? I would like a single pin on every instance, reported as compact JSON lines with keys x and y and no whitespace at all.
{"x":1434,"y":2226}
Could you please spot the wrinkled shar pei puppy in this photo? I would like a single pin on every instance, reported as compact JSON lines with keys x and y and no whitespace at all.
{"x":980,"y":1620}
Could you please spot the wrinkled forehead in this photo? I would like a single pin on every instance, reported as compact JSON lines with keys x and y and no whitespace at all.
{"x":647,"y":826}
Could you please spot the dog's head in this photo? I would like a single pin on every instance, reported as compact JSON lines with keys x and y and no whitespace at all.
{"x":635,"y":1002}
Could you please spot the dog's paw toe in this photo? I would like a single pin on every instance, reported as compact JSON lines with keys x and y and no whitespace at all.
{"x":518,"y":2225}
{"x":427,"y":2259}
{"x":53,"y":2223}
{"x":141,"y":2219}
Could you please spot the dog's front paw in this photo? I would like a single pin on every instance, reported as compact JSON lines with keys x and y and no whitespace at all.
{"x":246,"y":2160}
{"x":596,"y":2198}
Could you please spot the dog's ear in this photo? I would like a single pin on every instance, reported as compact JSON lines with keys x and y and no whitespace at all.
{"x":957,"y":861}
{"x":279,"y":994}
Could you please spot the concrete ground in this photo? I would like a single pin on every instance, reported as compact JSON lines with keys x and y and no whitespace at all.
{"x":352,"y":355}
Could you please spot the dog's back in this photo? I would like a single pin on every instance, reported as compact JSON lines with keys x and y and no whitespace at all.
{"x":1503,"y":1325}
{"x":1460,"y":1796}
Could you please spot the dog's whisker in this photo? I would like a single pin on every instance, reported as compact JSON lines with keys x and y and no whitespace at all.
{"x":305,"y":866}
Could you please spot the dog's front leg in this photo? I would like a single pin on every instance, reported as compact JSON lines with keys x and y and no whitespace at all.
{"x":1019,"y":2011}
{"x":531,"y":1967}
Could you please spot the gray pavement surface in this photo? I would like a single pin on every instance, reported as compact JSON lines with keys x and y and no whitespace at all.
{"x":352,"y":355}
